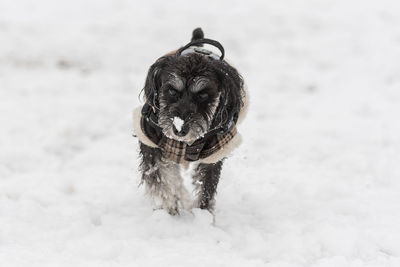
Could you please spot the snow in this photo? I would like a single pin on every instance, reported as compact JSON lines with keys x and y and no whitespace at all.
{"x":178,"y":123}
{"x":315,"y":182}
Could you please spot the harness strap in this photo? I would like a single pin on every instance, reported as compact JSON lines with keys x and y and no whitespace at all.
{"x":199,"y":42}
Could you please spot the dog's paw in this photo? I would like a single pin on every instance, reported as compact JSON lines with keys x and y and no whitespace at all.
{"x":173,"y":211}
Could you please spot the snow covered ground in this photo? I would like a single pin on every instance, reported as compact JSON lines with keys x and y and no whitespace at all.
{"x":316,"y":182}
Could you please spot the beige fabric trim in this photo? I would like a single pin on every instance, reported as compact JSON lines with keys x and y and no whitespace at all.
{"x":225,"y":151}
{"x":138,"y":130}
{"x":244,"y":109}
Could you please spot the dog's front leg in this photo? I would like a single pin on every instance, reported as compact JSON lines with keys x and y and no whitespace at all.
{"x":162,"y":180}
{"x":206,"y":177}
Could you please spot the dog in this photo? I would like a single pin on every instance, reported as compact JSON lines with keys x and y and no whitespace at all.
{"x":193,"y":101}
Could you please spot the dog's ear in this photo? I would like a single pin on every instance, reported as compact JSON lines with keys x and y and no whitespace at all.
{"x":232,"y":93}
{"x":153,"y":82}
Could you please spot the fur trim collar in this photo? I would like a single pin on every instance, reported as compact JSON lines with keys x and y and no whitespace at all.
{"x":224,"y":146}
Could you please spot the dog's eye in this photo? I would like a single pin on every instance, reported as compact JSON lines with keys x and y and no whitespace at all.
{"x":203,"y":96}
{"x":172,"y":92}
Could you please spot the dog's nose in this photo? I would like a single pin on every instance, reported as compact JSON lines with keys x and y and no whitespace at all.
{"x":184,"y":131}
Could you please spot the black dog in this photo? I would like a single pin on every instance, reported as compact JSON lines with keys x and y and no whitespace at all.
{"x":194,"y":99}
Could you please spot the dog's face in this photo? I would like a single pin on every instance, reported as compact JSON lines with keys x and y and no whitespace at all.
{"x":193,"y":94}
{"x":187,"y":104}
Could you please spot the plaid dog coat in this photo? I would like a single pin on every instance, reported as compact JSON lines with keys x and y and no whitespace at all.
{"x":180,"y":152}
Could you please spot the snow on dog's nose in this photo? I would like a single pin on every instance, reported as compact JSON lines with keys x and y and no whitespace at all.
{"x":179,"y":128}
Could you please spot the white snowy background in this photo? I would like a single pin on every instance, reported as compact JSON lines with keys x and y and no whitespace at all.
{"x":315,"y":183}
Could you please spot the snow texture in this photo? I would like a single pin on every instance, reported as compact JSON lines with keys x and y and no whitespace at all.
{"x":178,"y":123}
{"x":315,"y":183}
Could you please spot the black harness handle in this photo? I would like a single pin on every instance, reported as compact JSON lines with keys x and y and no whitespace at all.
{"x":203,"y":41}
